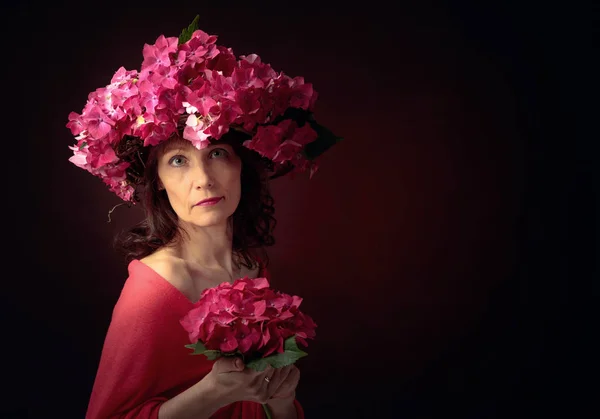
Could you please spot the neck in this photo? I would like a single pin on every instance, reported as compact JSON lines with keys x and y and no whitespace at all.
{"x":209,"y":247}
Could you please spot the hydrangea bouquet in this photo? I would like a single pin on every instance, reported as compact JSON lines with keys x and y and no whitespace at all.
{"x":249,"y":319}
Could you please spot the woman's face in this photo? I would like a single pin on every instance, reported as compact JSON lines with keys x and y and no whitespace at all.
{"x":189,"y":176}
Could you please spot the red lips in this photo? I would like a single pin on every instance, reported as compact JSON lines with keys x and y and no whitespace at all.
{"x":209,"y":200}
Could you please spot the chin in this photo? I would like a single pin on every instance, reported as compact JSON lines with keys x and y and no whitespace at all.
{"x":210,"y":220}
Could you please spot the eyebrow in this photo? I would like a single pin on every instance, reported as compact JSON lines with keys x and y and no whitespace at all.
{"x":180,"y":144}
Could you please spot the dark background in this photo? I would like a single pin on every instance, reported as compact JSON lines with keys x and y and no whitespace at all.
{"x":444,"y":247}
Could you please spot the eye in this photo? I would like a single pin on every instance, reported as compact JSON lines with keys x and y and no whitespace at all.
{"x":219,"y":152}
{"x":177,"y":160}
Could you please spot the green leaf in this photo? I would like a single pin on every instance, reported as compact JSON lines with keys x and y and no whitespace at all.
{"x":325,"y":140}
{"x":290,"y":344}
{"x":258,"y":364}
{"x":198,"y":348}
{"x":83,"y":145}
{"x":289,"y":356}
{"x":186,"y":34}
{"x":284,"y":359}
{"x":212,"y":354}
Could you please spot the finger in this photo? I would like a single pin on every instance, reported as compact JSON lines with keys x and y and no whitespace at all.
{"x":227,"y":364}
{"x":285,"y":372}
{"x":274,"y":379}
{"x":267,"y":376}
{"x":279,"y":377}
{"x":294,"y":373}
{"x":294,"y":376}
{"x":287,"y":388}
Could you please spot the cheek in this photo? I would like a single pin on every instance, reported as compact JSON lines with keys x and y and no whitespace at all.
{"x":233,"y":177}
{"x":174,"y":185}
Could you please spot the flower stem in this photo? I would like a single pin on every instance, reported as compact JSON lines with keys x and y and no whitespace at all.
{"x":267,"y":411}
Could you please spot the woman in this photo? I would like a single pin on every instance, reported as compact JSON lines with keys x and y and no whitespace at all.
{"x":184,"y":245}
{"x":194,"y":138}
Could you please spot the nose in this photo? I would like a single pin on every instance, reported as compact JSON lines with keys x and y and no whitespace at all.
{"x":203,"y":177}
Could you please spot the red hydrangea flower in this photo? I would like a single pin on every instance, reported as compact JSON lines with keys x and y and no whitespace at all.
{"x":197,"y":88}
{"x":247,"y":317}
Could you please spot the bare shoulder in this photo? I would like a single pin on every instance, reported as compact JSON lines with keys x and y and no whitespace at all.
{"x":170,"y":268}
{"x":174,"y":270}
{"x":190,"y":280}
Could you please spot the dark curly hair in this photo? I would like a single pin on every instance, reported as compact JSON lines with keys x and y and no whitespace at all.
{"x":253,"y":220}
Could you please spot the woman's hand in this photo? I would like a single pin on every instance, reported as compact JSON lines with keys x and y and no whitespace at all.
{"x":284,"y":381}
{"x":232,"y":381}
{"x":281,"y":403}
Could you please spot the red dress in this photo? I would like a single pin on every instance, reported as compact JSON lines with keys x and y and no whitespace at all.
{"x":144,"y":360}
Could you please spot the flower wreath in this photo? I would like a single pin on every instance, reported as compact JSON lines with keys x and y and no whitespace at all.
{"x":193,"y":88}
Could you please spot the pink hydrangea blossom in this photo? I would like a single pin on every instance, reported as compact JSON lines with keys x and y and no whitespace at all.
{"x":204,"y":81}
{"x":248,"y":317}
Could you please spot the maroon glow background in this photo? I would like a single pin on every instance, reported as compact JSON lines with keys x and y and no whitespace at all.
{"x":431,"y":247}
